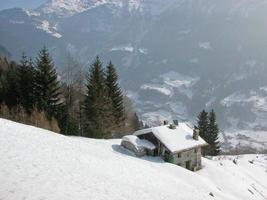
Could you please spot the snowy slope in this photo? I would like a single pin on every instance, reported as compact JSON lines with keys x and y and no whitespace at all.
{"x":38,"y":164}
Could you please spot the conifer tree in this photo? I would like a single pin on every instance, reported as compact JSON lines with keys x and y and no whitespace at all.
{"x":114,"y":93}
{"x":203,"y":124}
{"x":10,"y":86}
{"x":2,"y":80}
{"x":213,"y":131}
{"x":26,"y":83}
{"x":95,"y":101}
{"x":8,"y":80}
{"x":47,"y":88}
{"x":203,"y":128}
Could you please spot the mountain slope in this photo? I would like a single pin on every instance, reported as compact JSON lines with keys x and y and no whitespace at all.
{"x":20,"y":31}
{"x":68,"y":8}
{"x":39,"y":164}
{"x":174,"y":57}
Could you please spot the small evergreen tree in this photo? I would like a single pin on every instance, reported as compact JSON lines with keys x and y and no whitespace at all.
{"x":26,"y":83}
{"x":203,"y":124}
{"x":203,"y":128}
{"x":114,"y":93}
{"x":213,"y":130}
{"x":169,"y":158}
{"x":47,"y":88}
{"x":95,"y":102}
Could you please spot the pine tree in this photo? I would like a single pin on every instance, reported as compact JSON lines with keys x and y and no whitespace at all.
{"x":10,"y":86}
{"x":2,"y":79}
{"x":95,"y":102}
{"x":213,"y":130}
{"x":47,"y":87}
{"x":26,"y":83}
{"x":203,"y":128}
{"x":114,"y":93}
{"x":203,"y":124}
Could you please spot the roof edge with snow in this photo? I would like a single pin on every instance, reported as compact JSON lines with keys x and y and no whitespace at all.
{"x":175,"y":140}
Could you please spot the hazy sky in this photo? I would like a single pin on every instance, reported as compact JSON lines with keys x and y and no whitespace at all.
{"x":20,"y":3}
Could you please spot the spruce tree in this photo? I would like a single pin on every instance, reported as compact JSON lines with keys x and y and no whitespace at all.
{"x":203,"y":128}
{"x":213,"y":130}
{"x":47,"y":87}
{"x":26,"y":83}
{"x":10,"y":86}
{"x":2,"y":80}
{"x":114,"y":93}
{"x":203,"y":124}
{"x":95,"y":102}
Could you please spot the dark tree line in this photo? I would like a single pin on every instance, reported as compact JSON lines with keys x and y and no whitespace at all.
{"x":104,"y":107}
{"x":31,"y":90}
{"x":98,"y":110}
{"x":208,"y":130}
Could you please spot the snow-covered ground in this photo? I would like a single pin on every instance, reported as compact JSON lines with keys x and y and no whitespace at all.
{"x":167,"y":83}
{"x":38,"y":164}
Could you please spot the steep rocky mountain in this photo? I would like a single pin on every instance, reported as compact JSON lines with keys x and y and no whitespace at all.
{"x":175,"y":57}
{"x":19,"y":30}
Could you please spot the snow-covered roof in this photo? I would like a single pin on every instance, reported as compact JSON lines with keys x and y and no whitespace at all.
{"x":138,"y":143}
{"x":176,"y":140}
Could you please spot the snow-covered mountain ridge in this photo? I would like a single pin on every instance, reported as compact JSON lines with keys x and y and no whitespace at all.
{"x":39,"y":164}
{"x":50,"y":14}
{"x":66,"y":8}
{"x":69,"y":7}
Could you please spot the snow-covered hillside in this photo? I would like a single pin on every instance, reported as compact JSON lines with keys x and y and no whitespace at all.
{"x":39,"y":164}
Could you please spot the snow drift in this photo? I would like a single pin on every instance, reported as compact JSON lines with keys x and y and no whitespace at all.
{"x":39,"y":164}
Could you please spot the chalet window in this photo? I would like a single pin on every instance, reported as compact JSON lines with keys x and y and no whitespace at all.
{"x":196,"y":150}
{"x":179,"y":155}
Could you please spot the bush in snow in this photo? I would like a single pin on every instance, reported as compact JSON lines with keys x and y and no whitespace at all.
{"x":168,"y":158}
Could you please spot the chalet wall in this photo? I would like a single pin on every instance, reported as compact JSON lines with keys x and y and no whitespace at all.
{"x":192,"y":155}
{"x":181,"y":159}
